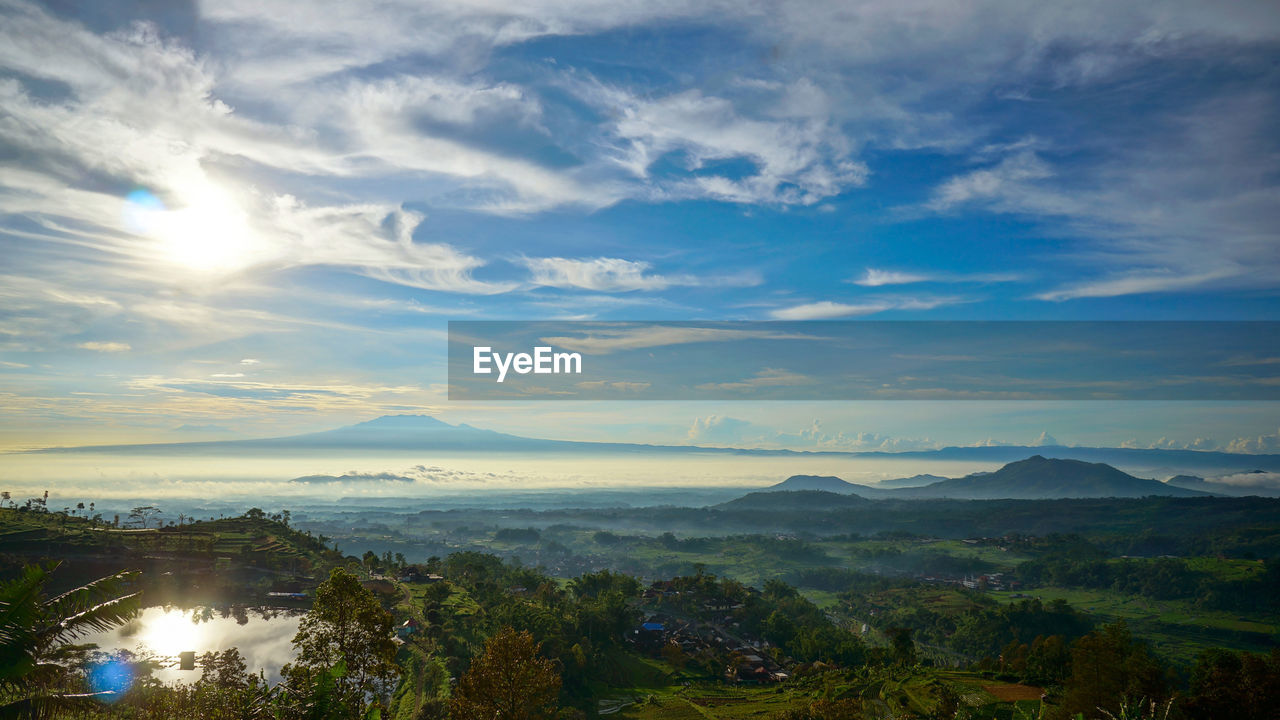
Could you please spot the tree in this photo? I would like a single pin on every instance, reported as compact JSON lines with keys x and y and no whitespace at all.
{"x":1108,"y":667}
{"x":509,"y":681}
{"x":36,"y":635}
{"x":1235,"y":685}
{"x":903,"y":646}
{"x":345,"y":638}
{"x":143,"y":514}
{"x":1049,"y":660}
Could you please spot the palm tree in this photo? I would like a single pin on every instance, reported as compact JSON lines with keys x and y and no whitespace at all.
{"x":36,"y":634}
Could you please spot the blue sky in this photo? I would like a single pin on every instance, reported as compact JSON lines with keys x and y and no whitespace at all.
{"x":258,"y":217}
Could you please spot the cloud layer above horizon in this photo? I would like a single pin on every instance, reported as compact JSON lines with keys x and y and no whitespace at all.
{"x":318,"y":186}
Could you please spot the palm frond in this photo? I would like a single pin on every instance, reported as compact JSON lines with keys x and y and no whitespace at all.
{"x":85,"y":596}
{"x":46,"y":707}
{"x":100,"y":617}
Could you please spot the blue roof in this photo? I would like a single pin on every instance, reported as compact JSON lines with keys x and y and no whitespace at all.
{"x":652,"y":626}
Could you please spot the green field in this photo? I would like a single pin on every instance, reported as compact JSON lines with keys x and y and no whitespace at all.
{"x":1177,"y":629}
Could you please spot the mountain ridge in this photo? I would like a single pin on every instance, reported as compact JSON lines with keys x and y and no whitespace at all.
{"x":1035,"y":478}
{"x":429,"y":433}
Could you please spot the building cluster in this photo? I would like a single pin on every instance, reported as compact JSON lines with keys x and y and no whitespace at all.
{"x":713,"y":632}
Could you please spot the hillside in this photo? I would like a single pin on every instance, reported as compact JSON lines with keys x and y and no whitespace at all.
{"x":229,"y":559}
{"x":1041,"y":478}
{"x":908,"y":482}
{"x":794,"y":500}
{"x":823,"y":483}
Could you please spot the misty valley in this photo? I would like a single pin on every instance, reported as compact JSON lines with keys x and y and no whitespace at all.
{"x":1043,"y":587}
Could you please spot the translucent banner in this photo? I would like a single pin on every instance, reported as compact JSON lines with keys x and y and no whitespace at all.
{"x":500,"y":360}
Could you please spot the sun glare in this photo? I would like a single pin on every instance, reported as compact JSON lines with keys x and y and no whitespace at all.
{"x":171,"y":632}
{"x":209,"y":233}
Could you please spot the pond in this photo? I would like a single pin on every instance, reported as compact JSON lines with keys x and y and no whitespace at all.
{"x":264,"y":637}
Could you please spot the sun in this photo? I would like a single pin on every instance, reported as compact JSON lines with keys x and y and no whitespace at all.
{"x":208,"y":233}
{"x":171,"y":632}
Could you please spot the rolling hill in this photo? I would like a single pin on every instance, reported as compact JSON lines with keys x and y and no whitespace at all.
{"x":821,"y":483}
{"x":1041,"y":478}
{"x":907,"y":482}
{"x":794,"y":500}
{"x":1035,"y":478}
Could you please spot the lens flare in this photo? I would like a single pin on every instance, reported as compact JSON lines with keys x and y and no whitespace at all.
{"x":142,"y":210}
{"x":113,"y":676}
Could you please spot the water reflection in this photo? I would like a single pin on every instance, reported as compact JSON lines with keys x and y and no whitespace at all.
{"x":264,"y":637}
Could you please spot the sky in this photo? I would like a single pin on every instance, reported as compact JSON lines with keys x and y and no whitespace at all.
{"x":233,"y":219}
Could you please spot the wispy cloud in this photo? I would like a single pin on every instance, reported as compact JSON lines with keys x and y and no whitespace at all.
{"x":765,"y":378}
{"x":1152,"y":221}
{"x":617,"y":275}
{"x":874,"y":277}
{"x":877,"y":278}
{"x":600,"y":274}
{"x":106,"y":347}
{"x":828,"y":310}
{"x":605,"y":340}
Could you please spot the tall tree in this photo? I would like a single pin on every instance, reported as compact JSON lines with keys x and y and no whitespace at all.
{"x":344,"y":639}
{"x":510,"y":680}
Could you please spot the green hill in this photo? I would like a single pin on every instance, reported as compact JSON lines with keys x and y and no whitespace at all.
{"x":1041,"y":478}
{"x":794,"y":500}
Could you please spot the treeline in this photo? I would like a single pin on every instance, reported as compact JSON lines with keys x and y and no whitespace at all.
{"x":1159,"y":579}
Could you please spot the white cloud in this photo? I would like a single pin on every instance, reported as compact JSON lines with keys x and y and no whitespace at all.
{"x":106,"y":347}
{"x":600,"y":274}
{"x":1257,"y":444}
{"x":1164,"y":280}
{"x":794,"y":160}
{"x":1045,"y":440}
{"x":142,"y":111}
{"x":828,"y":310}
{"x":1251,"y":480}
{"x":878,"y":278}
{"x":723,"y":431}
{"x":874,"y":277}
{"x":993,"y":183}
{"x":1165,"y":443}
{"x":719,"y":430}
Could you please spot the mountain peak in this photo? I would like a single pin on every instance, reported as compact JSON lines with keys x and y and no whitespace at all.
{"x":403,"y":422}
{"x":822,"y":483}
{"x":1039,"y":477}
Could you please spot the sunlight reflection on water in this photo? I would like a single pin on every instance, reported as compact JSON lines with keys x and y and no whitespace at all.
{"x":263,"y":636}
